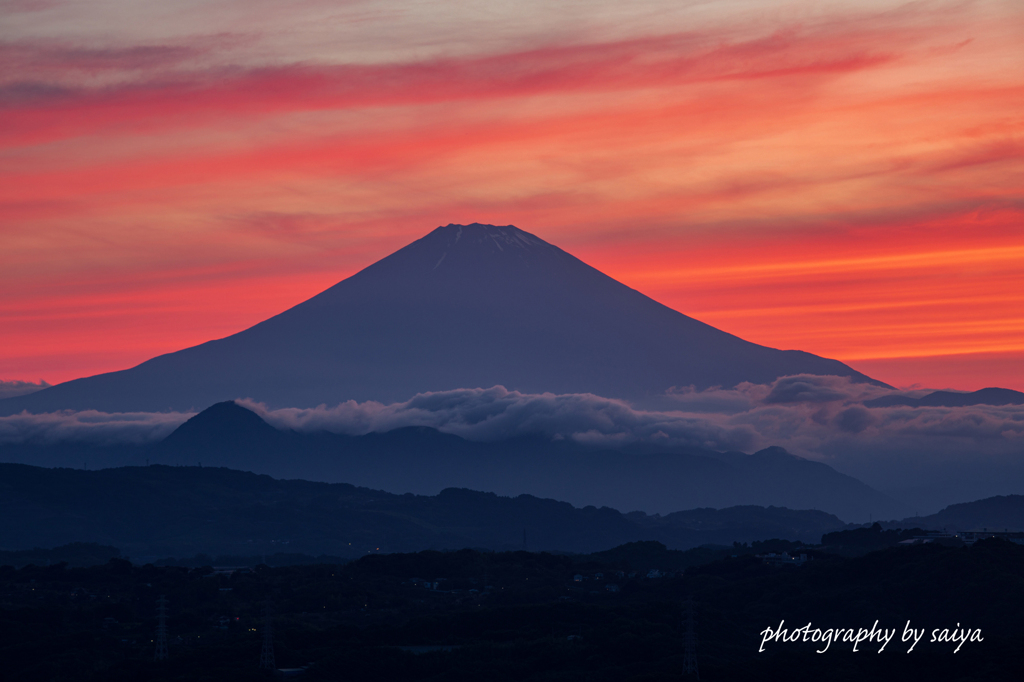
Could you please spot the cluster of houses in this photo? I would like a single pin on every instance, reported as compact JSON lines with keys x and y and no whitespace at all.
{"x":621,"y":575}
{"x":965,"y":537}
{"x":438,"y":585}
{"x":968,"y":537}
{"x":782,"y":559}
{"x":651,"y":574}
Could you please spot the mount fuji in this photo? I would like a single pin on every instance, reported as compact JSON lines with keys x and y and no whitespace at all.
{"x":465,"y":306}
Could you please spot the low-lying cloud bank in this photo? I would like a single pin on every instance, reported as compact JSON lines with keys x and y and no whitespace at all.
{"x":817,"y":417}
{"x":101,"y":428}
{"x":11,"y":389}
{"x":496,"y":413}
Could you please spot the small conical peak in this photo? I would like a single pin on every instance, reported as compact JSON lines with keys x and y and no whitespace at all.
{"x":221,"y":420}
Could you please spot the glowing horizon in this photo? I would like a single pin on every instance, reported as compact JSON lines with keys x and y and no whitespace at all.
{"x":841,"y":178}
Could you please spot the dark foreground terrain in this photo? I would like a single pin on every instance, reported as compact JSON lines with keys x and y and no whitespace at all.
{"x":521,"y":616}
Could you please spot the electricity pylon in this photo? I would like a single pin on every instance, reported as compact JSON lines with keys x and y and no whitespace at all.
{"x":690,"y":641}
{"x":161,"y":629}
{"x":267,"y":653}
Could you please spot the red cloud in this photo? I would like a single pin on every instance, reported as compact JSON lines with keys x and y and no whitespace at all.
{"x":36,"y":112}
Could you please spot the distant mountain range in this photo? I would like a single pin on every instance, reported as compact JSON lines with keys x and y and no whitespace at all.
{"x":985,"y":396}
{"x":180,"y":511}
{"x":425,"y":461}
{"x":466,"y":306}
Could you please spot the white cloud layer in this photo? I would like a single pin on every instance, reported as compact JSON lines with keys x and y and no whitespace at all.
{"x":816,"y":417}
{"x":496,"y":413}
{"x":90,"y":426}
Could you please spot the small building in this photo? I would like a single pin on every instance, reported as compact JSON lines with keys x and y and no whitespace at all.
{"x":229,"y":570}
{"x":783,"y":559}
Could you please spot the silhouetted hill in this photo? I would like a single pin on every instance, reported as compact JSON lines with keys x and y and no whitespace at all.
{"x":466,"y":306}
{"x":869,"y":539}
{"x":182,"y":511}
{"x":73,"y":554}
{"x":995,"y":513}
{"x":224,"y":425}
{"x":984,"y":396}
{"x":772,"y":522}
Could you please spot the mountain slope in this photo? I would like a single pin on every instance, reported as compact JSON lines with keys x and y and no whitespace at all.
{"x":984,"y":396}
{"x":465,"y":306}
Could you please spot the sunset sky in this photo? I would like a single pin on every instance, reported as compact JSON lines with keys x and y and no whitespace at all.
{"x":845,"y":178}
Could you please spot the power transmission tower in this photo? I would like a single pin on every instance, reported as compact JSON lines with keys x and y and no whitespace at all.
{"x":161,"y":629}
{"x":267,"y":654}
{"x":690,"y":641}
